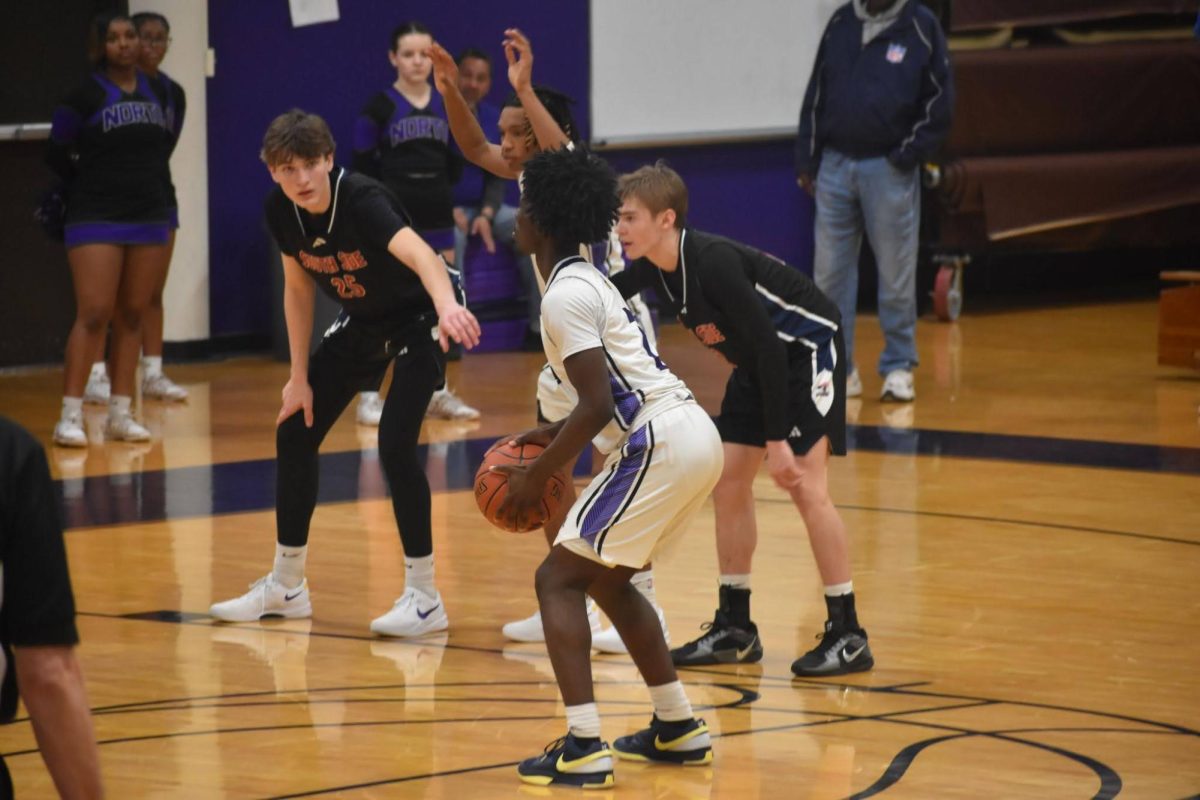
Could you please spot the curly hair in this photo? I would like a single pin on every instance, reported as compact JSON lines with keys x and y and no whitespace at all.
{"x":557,"y":104}
{"x":571,"y":195}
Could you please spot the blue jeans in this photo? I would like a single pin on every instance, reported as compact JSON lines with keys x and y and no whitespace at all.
{"x":504,"y":227}
{"x":869,"y":195}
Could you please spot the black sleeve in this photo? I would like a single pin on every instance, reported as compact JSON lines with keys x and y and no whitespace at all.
{"x":375,"y":218}
{"x":181,"y":109}
{"x":66,"y":126}
{"x":366,"y":134}
{"x":38,"y":607}
{"x":728,"y":288}
{"x":635,"y":277}
{"x":808,"y":144}
{"x":272,"y":213}
{"x":493,"y":192}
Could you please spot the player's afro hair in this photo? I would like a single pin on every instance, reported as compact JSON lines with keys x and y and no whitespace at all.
{"x":571,"y":195}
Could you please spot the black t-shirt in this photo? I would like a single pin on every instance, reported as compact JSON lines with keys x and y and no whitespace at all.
{"x":36,"y":604}
{"x":754,"y":309}
{"x":345,"y":250}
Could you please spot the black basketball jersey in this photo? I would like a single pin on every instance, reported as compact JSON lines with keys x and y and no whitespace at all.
{"x":111,"y":147}
{"x":345,"y":250}
{"x":754,"y":309}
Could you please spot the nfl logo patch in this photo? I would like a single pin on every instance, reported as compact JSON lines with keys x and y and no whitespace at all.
{"x":895,"y":53}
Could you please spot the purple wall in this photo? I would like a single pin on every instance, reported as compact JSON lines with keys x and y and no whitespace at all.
{"x":264,"y":66}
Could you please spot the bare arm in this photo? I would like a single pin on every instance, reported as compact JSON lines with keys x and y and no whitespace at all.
{"x":51,"y":685}
{"x":454,"y":321}
{"x":463,"y":125}
{"x":298,"y":296}
{"x":519,"y":54}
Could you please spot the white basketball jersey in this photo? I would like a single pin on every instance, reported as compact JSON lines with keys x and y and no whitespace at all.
{"x":582,"y":310}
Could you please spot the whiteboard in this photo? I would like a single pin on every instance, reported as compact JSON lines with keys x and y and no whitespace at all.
{"x":696,"y":70}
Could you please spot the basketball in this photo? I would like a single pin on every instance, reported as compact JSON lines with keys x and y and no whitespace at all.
{"x":492,"y":487}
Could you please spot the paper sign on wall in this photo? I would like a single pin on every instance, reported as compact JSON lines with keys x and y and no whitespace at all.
{"x":312,"y":12}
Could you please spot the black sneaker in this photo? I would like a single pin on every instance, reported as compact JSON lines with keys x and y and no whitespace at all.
{"x":570,"y":761}
{"x":722,"y":644}
{"x":686,"y":742}
{"x":840,"y":652}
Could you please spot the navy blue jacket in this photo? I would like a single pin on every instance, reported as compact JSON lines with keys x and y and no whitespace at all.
{"x":892,"y":98}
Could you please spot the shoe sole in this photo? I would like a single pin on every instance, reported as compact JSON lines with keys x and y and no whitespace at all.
{"x":302,"y":613}
{"x":719,"y":657}
{"x":889,"y":397}
{"x":524,"y":639}
{"x":70,"y":443}
{"x":578,"y":781}
{"x":435,"y":628}
{"x":681,"y":761}
{"x":858,"y":665}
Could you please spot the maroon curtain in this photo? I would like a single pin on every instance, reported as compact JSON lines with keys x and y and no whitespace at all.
{"x":974,"y":14}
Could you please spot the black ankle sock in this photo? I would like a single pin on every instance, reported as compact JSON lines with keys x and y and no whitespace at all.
{"x":735,"y":604}
{"x":842,"y":615}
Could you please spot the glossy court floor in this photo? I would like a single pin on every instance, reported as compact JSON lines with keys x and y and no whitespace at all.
{"x":1026,"y":547}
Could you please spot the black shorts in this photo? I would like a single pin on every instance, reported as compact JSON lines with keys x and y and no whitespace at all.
{"x":359,"y":354}
{"x":742,"y":417}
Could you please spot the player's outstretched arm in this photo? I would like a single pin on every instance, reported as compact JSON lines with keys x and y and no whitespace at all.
{"x":454,"y":321}
{"x":463,"y":125}
{"x":519,"y":54}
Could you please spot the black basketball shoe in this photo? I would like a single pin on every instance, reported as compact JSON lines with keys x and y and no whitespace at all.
{"x":722,"y":643}
{"x":840,"y":652}
{"x":685,"y":742}
{"x":587,"y":763}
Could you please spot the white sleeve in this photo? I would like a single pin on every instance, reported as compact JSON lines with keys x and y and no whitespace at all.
{"x":573,"y":316}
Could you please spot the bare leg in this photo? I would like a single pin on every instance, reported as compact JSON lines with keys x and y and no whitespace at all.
{"x":152,"y":320}
{"x":143,"y":265}
{"x":826,"y":531}
{"x":733,"y":507}
{"x":637,"y":623}
{"x":95,"y":274}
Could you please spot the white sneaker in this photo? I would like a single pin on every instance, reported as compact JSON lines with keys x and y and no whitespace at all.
{"x":125,"y":428}
{"x":413,"y":614}
{"x":853,"y":384}
{"x":160,"y":387}
{"x":530,"y":628}
{"x":609,"y":641}
{"x":370,"y":409}
{"x":98,"y":389}
{"x":69,"y":431}
{"x":445,"y":404}
{"x":266,"y":598}
{"x":898,"y":386}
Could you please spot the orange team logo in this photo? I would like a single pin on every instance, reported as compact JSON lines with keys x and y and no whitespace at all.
{"x":325,"y":264}
{"x":351,"y":261}
{"x":709,"y":334}
{"x":347,"y":287}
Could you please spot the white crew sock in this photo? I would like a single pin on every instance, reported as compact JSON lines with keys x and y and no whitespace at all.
{"x":736,"y":581}
{"x":418,"y":574}
{"x":151,"y":366}
{"x":670,"y":702}
{"x":584,"y":721}
{"x":289,"y":565}
{"x":839,"y":589}
{"x":118,"y":406}
{"x":99,"y":370}
{"x":72,"y":406}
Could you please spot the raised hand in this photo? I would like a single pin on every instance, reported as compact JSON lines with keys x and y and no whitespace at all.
{"x":519,"y":54}
{"x":445,"y":70}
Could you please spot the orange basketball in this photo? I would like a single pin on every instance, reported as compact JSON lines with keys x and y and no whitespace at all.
{"x":492,"y":487}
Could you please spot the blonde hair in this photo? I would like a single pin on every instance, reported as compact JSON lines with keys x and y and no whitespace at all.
{"x":658,"y":187}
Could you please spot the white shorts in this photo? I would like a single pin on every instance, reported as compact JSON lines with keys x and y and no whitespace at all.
{"x":555,"y":399}
{"x":647,"y":491}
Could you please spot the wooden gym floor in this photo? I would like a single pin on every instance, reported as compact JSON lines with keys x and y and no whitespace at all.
{"x":1026,"y":547}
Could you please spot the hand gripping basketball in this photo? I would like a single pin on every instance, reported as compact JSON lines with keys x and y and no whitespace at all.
{"x":491,"y":486}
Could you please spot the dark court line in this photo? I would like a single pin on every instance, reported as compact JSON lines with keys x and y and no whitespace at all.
{"x":248,"y":486}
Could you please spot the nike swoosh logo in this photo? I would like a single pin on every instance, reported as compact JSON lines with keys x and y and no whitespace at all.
{"x":742,"y":653}
{"x":562,"y":765}
{"x":287,"y":598}
{"x":849,"y":656}
{"x":424,"y":614}
{"x":659,"y":744}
